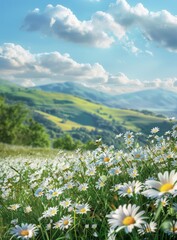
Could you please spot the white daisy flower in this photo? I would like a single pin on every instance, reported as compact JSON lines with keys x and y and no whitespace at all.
{"x":138,"y":154}
{"x":86,"y":226}
{"x":130,"y":188}
{"x":94,"y":226}
{"x":128,"y":135}
{"x":154,"y":130}
{"x":54,"y":193}
{"x":167,"y":184}
{"x":170,"y":119}
{"x":147,"y":228}
{"x":69,"y":185}
{"x":115,"y":171}
{"x":91,"y":171}
{"x":105,"y":158}
{"x":50,"y":212}
{"x":25,"y":231}
{"x":100,"y":184}
{"x":28,"y":209}
{"x":14,"y":207}
{"x":48,"y":226}
{"x":64,"y":223}
{"x":66,"y":203}
{"x":116,"y":187}
{"x":95,"y":234}
{"x":174,"y":134}
{"x":172,"y":228}
{"x":82,"y":208}
{"x":133,"y":172}
{"x":163,"y":201}
{"x":129,"y":142}
{"x":83,"y":187}
{"x":14,"y":221}
{"x":39,"y":192}
{"x":174,"y":127}
{"x":118,"y":135}
{"x":126,"y":217}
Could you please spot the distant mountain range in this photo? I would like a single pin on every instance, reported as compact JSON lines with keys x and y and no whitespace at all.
{"x":159,"y":101}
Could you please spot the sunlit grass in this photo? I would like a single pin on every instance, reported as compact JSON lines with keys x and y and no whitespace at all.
{"x":65,"y":125}
{"x":10,"y":151}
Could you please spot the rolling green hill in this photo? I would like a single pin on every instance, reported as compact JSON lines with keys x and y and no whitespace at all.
{"x":64,"y":112}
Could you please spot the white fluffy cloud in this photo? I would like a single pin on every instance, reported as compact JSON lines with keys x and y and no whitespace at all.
{"x":104,"y":28}
{"x":61,"y":22}
{"x":14,"y":57}
{"x":159,"y":27}
{"x":121,"y":83}
{"x":18,"y":63}
{"x":167,"y":83}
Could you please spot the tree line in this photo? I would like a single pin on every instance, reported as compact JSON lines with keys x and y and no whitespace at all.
{"x":19,"y":128}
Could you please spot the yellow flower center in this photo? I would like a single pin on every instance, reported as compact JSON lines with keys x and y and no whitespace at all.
{"x":163,"y":203}
{"x":83,"y":210}
{"x":24,"y":233}
{"x":102,"y":184}
{"x":128,"y":220}
{"x":166,"y":187}
{"x":129,"y":190}
{"x":148,"y":230}
{"x":53,"y":212}
{"x":137,"y":155}
{"x":14,"y":207}
{"x":65,"y":222}
{"x":175,"y":229}
{"x":106,"y":159}
{"x":55,"y":193}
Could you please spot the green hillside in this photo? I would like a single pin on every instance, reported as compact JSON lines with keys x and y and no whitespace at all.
{"x":68,"y":112}
{"x":64,"y":125}
{"x":157,"y":100}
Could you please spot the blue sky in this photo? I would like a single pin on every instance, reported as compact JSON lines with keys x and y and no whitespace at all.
{"x":113,"y":46}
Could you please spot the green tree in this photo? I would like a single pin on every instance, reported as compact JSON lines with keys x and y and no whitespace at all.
{"x":11,"y":121}
{"x":35,"y":135}
{"x":66,"y":142}
{"x":90,"y":145}
{"x":58,"y":143}
{"x":16,"y":128}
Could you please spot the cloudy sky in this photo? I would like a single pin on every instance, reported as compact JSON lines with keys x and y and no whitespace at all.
{"x":113,"y":46}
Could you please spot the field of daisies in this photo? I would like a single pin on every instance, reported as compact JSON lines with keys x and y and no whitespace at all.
{"x":106,"y":194}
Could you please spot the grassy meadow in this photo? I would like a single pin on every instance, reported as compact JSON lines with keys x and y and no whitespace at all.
{"x":106,"y":194}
